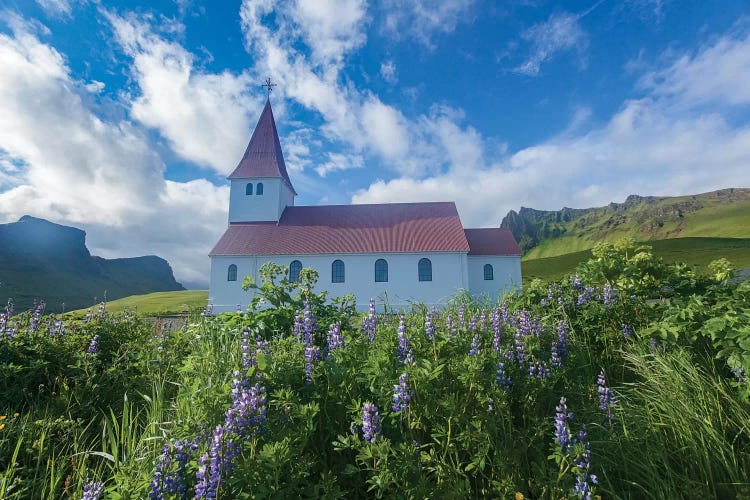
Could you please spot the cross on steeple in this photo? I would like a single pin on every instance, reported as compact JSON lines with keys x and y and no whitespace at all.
{"x":269,"y":86}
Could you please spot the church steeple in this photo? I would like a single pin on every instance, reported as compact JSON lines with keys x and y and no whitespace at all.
{"x":260,"y":186}
{"x":263,"y":156}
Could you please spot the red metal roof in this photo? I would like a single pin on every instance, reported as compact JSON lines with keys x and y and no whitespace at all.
{"x":395,"y":227}
{"x":263,"y":156}
{"x":492,"y":241}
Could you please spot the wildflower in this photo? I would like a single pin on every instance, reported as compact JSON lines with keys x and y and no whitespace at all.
{"x":654,"y":345}
{"x":370,"y":422}
{"x":562,"y":430}
{"x":211,"y":467}
{"x":309,"y":324}
{"x":312,"y":354}
{"x":502,"y":378}
{"x":539,"y":369}
{"x":92,"y":490}
{"x":405,"y":352}
{"x":555,"y":360}
{"x":519,"y":348}
{"x":450,"y":325}
{"x":36,"y":315}
{"x":585,"y":296}
{"x":335,"y":339}
{"x":401,"y":394}
{"x":627,"y":331}
{"x":576,"y":282}
{"x":497,"y":329}
{"x":584,"y":478}
{"x":93,"y":346}
{"x":247,"y":358}
{"x":297,"y":328}
{"x":473,"y":323}
{"x":739,"y":374}
{"x":562,"y":338}
{"x":609,"y":295}
{"x":429,"y":330}
{"x":370,"y":322}
{"x":505,"y":312}
{"x":490,"y":405}
{"x":461,"y":316}
{"x":483,"y":321}
{"x":606,"y":396}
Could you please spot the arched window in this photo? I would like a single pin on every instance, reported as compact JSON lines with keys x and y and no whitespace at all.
{"x":249,"y":188}
{"x":424,"y":269}
{"x":294,"y":268}
{"x":338,"y":272}
{"x":381,"y":271}
{"x":259,"y":189}
{"x":489,"y":273}
{"x":232,"y":273}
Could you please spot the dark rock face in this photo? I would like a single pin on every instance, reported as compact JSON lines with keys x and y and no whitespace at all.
{"x":43,"y":260}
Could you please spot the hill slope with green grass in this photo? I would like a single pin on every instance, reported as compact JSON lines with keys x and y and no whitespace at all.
{"x":718,"y":214}
{"x":40,"y":260}
{"x":691,"y":251}
{"x":157,"y":303}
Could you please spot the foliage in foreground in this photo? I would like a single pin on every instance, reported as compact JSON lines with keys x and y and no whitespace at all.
{"x":626,"y":380}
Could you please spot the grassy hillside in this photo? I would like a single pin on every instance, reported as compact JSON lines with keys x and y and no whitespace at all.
{"x":692,"y":251}
{"x":719,"y":214}
{"x":156,"y":304}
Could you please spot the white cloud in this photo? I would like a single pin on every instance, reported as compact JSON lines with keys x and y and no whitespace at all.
{"x":338,"y":162}
{"x":205,"y":117}
{"x":423,"y":20}
{"x":649,"y":147}
{"x":388,"y":71}
{"x":561,"y":32}
{"x":331,"y":28}
{"x":57,"y":8}
{"x":95,"y":87}
{"x":63,"y":162}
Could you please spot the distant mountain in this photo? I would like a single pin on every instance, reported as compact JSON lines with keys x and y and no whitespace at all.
{"x":547,"y":233}
{"x":43,"y":260}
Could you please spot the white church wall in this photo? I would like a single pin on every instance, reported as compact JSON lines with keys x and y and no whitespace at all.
{"x":449,"y":275}
{"x":506,"y":274}
{"x":264,"y":207}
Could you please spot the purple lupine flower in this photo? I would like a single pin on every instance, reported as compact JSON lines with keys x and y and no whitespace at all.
{"x":401,"y":394}
{"x":297,"y":327}
{"x":247,"y":357}
{"x":370,"y":322}
{"x":450,"y":325}
{"x":505,"y":313}
{"x":562,"y":430}
{"x":584,"y":480}
{"x":627,"y":331}
{"x":162,"y":466}
{"x":585,"y":296}
{"x":312,"y":354}
{"x":576,"y":282}
{"x":429,"y":330}
{"x":405,"y":352}
{"x":473,"y":323}
{"x":476,"y":345}
{"x":370,"y":422}
{"x":462,"y":316}
{"x":93,"y":348}
{"x":210,"y":467}
{"x":201,"y":475}
{"x":539,"y":369}
{"x":739,"y":374}
{"x":36,"y":315}
{"x":501,"y":377}
{"x":606,"y":396}
{"x":335,"y":339}
{"x":490,"y":405}
{"x":483,"y":321}
{"x":609,"y":295}
{"x":93,"y":490}
{"x":555,"y":359}
{"x":497,"y":329}
{"x":524,"y":323}
{"x":173,"y":482}
{"x":519,"y":348}
{"x":562,"y":338}
{"x":58,"y":328}
{"x":654,"y":345}
{"x":5,"y":317}
{"x":309,"y":324}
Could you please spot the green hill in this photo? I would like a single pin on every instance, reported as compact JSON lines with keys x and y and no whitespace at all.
{"x":157,"y":303}
{"x":42,"y":260}
{"x":692,"y":251}
{"x":718,"y":214}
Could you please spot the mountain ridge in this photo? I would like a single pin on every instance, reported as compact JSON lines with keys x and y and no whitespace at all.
{"x":547,"y":233}
{"x":41,"y":260}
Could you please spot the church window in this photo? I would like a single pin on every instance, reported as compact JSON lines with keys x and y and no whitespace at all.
{"x":249,"y":189}
{"x":294,"y":268}
{"x":489,"y":273}
{"x":338,"y":271}
{"x":424,"y":269}
{"x":259,"y":189}
{"x":381,"y":271}
{"x":232,"y":273}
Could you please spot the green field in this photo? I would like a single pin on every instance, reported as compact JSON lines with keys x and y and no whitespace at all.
{"x":692,"y":251}
{"x":158,"y":303}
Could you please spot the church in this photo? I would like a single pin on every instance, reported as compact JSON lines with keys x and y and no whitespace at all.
{"x":399,"y":253}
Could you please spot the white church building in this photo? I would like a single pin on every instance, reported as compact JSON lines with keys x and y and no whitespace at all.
{"x":399,"y":252}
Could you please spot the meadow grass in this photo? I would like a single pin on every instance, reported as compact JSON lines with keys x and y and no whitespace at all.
{"x":691,"y":251}
{"x":155,"y":304}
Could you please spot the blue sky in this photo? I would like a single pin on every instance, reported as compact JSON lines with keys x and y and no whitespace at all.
{"x":124,"y":120}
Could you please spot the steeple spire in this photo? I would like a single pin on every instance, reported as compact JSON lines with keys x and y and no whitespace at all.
{"x":263,"y":156}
